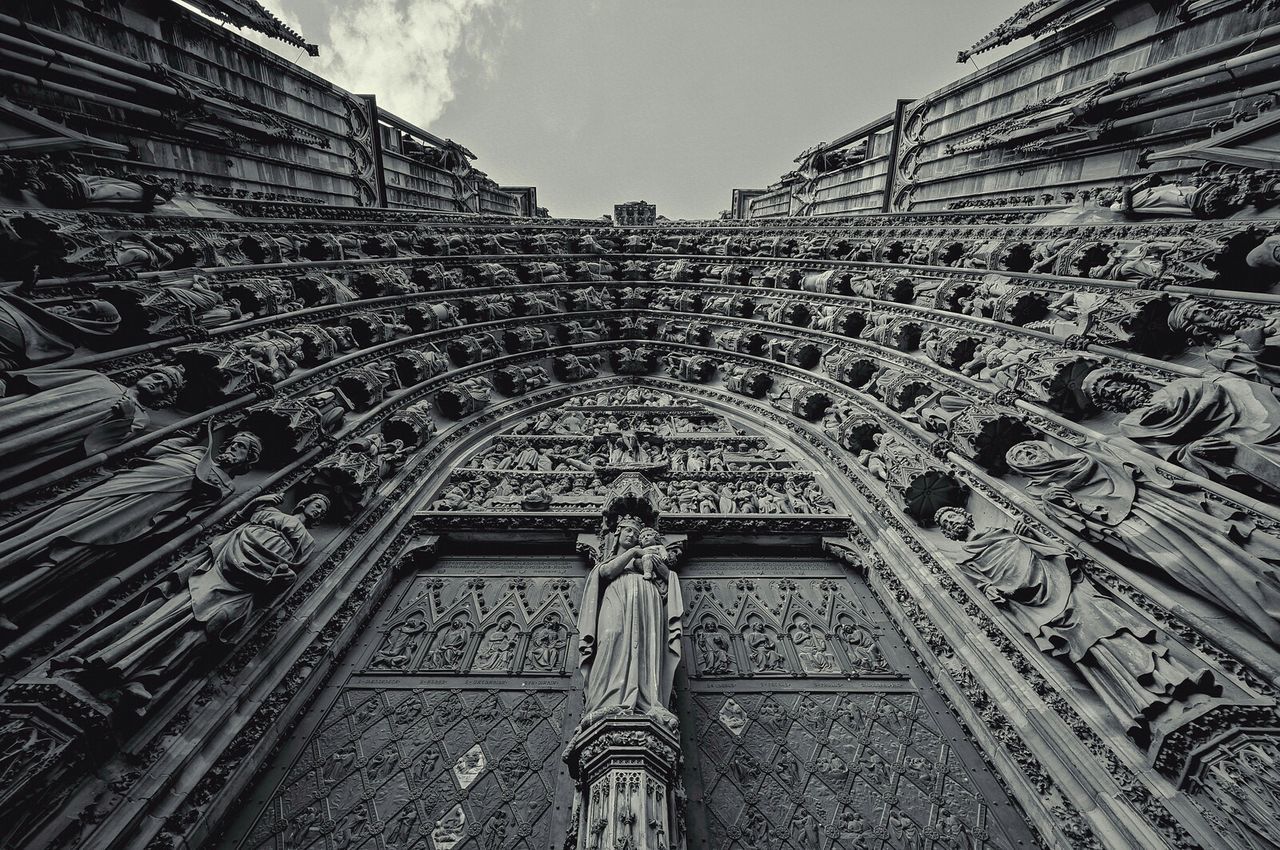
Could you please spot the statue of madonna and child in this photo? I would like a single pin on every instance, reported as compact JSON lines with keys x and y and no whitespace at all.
{"x":629,"y":646}
{"x":630,"y":624}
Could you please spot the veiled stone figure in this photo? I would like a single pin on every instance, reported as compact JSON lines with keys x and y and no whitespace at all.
{"x":630,"y":626}
{"x":1205,"y":547}
{"x":1225,"y":428}
{"x":50,"y":412}
{"x":32,"y":336}
{"x":209,"y":598}
{"x":44,"y":553}
{"x":1130,"y":666}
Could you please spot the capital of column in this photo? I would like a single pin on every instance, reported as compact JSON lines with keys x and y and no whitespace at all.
{"x":627,"y":768}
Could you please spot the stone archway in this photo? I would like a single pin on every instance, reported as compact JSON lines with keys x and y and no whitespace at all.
{"x":804,"y":718}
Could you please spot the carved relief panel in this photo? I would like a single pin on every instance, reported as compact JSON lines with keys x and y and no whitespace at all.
{"x":807,"y":724}
{"x":444,"y":729}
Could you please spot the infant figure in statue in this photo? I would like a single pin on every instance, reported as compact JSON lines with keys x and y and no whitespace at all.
{"x":653,"y":556}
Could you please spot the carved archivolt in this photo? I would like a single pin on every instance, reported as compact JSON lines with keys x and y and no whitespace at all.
{"x":1083,"y":464}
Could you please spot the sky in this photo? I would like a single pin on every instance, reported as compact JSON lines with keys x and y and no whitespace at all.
{"x":675,"y":102}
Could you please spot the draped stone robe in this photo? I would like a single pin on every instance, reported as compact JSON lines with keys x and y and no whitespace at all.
{"x":211,"y":596}
{"x":1125,"y":660}
{"x":179,"y":480}
{"x":629,"y":640}
{"x":51,"y":412}
{"x":1212,"y":551}
{"x":1225,"y":428}
{"x":32,"y":336}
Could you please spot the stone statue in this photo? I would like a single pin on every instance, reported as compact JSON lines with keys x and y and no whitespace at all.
{"x":209,"y":598}
{"x":547,"y":644}
{"x":351,"y":475}
{"x":51,"y":414}
{"x":1253,"y":353}
{"x":498,"y":647}
{"x":1136,"y":671}
{"x":715,"y":652}
{"x":1224,"y":428}
{"x":69,"y":188}
{"x":812,"y":647}
{"x":46,"y":551}
{"x":1204,"y":546}
{"x":32,"y":336}
{"x":165,"y":307}
{"x":630,"y":625}
{"x":762,"y":647}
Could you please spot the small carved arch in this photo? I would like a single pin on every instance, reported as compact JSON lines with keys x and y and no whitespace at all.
{"x":548,"y":646}
{"x":499,"y":643}
{"x":812,"y":645}
{"x":763,"y":646}
{"x":853,"y":370}
{"x":713,"y":647}
{"x":402,"y":641}
{"x":451,"y":643}
{"x":1017,"y":257}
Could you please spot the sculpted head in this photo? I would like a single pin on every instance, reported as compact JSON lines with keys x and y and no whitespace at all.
{"x":955,"y":523}
{"x":313,"y":508}
{"x":649,"y":537}
{"x":629,"y":530}
{"x":1266,"y":256}
{"x":94,"y":309}
{"x":160,"y":386}
{"x":242,"y":451}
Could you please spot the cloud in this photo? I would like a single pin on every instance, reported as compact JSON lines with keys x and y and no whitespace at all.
{"x":407,"y":51}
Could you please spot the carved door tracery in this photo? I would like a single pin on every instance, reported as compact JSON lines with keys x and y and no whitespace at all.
{"x":808,"y":725}
{"x":445,"y":727}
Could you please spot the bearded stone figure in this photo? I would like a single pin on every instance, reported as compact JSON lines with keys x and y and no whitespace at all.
{"x":1204,"y":546}
{"x":209,"y":598}
{"x":630,"y":624}
{"x":1136,"y":671}
{"x":46,"y":552}
{"x":47,"y":414}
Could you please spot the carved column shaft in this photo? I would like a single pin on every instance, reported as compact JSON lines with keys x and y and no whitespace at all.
{"x":627,"y":768}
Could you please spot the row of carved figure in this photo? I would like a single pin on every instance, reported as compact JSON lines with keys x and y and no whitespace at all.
{"x":369,"y":461}
{"x":1230,"y":337}
{"x":412,"y":643}
{"x":624,"y":445}
{"x":1231,"y":255}
{"x":664,"y":424}
{"x":1153,"y":324}
{"x":1133,"y":513}
{"x":1072,"y":384}
{"x":1218,"y":426}
{"x":678,"y":496}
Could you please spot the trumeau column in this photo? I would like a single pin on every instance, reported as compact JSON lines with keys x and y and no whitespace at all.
{"x":625,"y":753}
{"x":627,"y":771}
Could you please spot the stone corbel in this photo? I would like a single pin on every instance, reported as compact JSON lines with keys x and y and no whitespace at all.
{"x":847,"y":552}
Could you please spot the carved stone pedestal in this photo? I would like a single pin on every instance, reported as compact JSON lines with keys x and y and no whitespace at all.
{"x":627,"y":768}
{"x":51,"y":729}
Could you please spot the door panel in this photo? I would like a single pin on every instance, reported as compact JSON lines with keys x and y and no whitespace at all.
{"x":806,"y":722}
{"x":445,"y":727}
{"x":808,"y":725}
